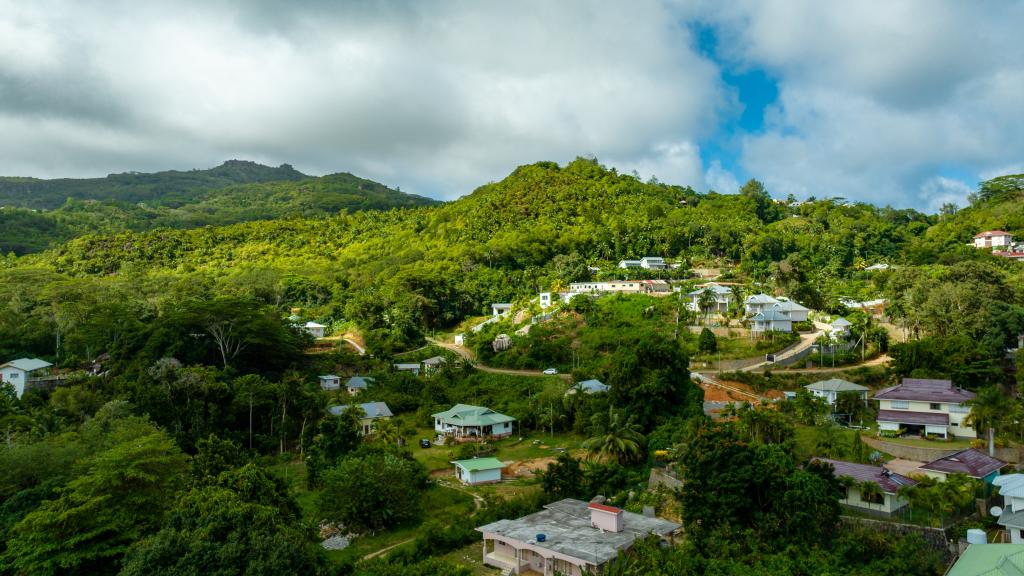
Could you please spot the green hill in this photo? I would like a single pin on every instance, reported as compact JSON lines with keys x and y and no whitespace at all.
{"x":234,"y":192}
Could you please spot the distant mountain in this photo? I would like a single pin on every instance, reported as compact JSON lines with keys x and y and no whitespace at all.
{"x":170,"y":188}
{"x":36,"y":214}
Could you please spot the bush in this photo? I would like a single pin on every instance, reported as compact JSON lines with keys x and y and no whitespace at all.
{"x":373,"y":491}
{"x":707,"y":341}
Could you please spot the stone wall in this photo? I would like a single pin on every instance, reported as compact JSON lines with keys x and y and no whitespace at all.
{"x":923,"y":454}
{"x":937,"y":538}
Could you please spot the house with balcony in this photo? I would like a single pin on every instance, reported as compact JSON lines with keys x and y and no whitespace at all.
{"x":758,"y":303}
{"x":569,"y":537}
{"x":721,"y":298}
{"x":884,"y":500}
{"x":993,"y":239}
{"x":467,"y":423}
{"x":923,"y":406}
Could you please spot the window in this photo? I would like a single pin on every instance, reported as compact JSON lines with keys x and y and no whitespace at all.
{"x":899,"y":404}
{"x":935,"y":406}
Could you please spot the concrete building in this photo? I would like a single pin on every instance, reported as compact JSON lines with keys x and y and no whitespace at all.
{"x":830,"y":389}
{"x":568,"y":537}
{"x":372,"y":411}
{"x":476,"y":471}
{"x":19,"y":372}
{"x":993,"y":239}
{"x":885,"y":501}
{"x":928,"y":406}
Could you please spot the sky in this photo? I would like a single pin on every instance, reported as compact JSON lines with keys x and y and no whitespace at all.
{"x":906,"y":103}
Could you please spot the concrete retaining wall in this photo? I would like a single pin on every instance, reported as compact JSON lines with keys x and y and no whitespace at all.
{"x":936,"y":538}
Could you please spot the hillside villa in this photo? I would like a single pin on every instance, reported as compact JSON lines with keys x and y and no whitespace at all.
{"x":796,"y":312}
{"x":993,"y":239}
{"x":925,"y":406}
{"x":722,"y":298}
{"x":970,"y":462}
{"x":476,"y":471}
{"x":771,"y":320}
{"x":568,"y":537}
{"x":647,"y":262}
{"x":758,"y":303}
{"x":18,"y":373}
{"x":1011,"y":488}
{"x":830,"y":389}
{"x":886,"y":501}
{"x":372,"y":411}
{"x":466,"y":422}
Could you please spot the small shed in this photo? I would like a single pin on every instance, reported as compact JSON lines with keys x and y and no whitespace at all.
{"x":478,"y":470}
{"x":313,"y":329}
{"x":330,"y":382}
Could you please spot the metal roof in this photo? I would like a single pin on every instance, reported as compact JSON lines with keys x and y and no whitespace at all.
{"x":372,"y":410}
{"x":27,"y":364}
{"x":925,"y":391}
{"x":836,"y":385}
{"x":761,"y":299}
{"x":790,"y":306}
{"x":886,"y":479}
{"x":477,"y":464}
{"x":469,"y":415}
{"x":841,"y":323}
{"x":916,"y":418}
{"x":359,"y":381}
{"x":772,"y":315}
{"x":1011,"y":485}
{"x":592,"y":386}
{"x":990,"y":560}
{"x":971,"y":462}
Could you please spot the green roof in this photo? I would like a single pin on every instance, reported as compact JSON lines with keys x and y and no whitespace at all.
{"x":469,"y":415}
{"x":475,"y":464}
{"x":990,"y":560}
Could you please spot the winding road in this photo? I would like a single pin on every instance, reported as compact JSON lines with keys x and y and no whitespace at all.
{"x":467,"y":355}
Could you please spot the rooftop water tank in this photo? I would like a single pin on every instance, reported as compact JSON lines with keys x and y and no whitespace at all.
{"x":542,"y":537}
{"x":976,"y":536}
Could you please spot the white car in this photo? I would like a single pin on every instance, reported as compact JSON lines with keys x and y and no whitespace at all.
{"x":551,"y":371}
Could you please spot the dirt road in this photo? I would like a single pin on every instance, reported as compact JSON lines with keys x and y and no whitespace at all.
{"x":467,"y":355}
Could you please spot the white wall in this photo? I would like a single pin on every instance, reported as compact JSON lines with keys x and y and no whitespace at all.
{"x":480,"y":476}
{"x":16,"y":377}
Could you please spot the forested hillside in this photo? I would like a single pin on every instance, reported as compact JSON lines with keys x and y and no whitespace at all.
{"x":233,"y":192}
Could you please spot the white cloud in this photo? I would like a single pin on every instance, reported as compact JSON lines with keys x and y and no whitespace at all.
{"x":669,"y":162}
{"x":721,"y":180}
{"x":940,"y":190}
{"x":437,"y":97}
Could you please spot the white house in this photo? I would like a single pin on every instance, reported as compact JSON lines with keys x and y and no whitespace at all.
{"x":927,"y":406}
{"x":626,"y":286}
{"x":477,"y":471}
{"x":313,"y":329}
{"x":19,"y":372}
{"x":330,"y":382}
{"x":545,"y":300}
{"x":841,"y":328}
{"x":1011,"y":487}
{"x":629,"y":263}
{"x":771,"y":320}
{"x":653,"y":263}
{"x":467,"y":422}
{"x":886,"y":501}
{"x":372,"y":411}
{"x":830,"y":389}
{"x":569,"y":537}
{"x":721,"y":295}
{"x":993,"y":239}
{"x":433,"y":364}
{"x":500,"y":308}
{"x":408,"y":367}
{"x":758,"y":303}
{"x":357,"y":384}
{"x":797,"y":313}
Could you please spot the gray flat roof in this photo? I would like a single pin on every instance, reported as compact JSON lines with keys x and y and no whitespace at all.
{"x":567,"y":530}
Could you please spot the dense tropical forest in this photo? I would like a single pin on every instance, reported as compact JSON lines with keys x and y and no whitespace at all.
{"x":190,"y":433}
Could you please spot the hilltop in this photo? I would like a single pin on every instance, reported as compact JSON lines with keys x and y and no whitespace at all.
{"x":236,"y":191}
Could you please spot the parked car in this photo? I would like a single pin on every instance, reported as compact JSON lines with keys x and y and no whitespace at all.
{"x":551,"y":371}
{"x":424,"y":443}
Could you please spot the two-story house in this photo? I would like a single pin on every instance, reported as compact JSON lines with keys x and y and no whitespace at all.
{"x":926,"y":406}
{"x":758,"y":303}
{"x":993,"y":239}
{"x":1011,"y":487}
{"x":721,"y":297}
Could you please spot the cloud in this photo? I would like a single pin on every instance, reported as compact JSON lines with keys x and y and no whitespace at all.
{"x":877,"y":98}
{"x":437,"y":97}
{"x":939,"y":190}
{"x":721,"y":180}
{"x":669,"y":162}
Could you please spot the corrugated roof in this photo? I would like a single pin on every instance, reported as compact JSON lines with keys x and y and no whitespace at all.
{"x":925,"y":391}
{"x":476,"y":464}
{"x":790,"y":306}
{"x":371,"y":409}
{"x":990,"y":560}
{"x":916,"y":418}
{"x":592,"y":386}
{"x":1011,"y":485}
{"x":887,"y":480}
{"x":28,"y":364}
{"x":761,"y":299}
{"x":836,"y":385}
{"x":469,"y":415}
{"x":971,"y":462}
{"x":992,"y":233}
{"x":359,"y":382}
{"x":841,"y":323}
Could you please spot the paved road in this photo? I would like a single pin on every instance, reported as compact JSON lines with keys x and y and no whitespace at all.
{"x":354,"y":344}
{"x":806,"y":341}
{"x":467,"y":355}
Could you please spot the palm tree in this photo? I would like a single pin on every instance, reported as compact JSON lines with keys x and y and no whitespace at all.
{"x":617,"y":438}
{"x":989,"y":409}
{"x":706,"y":301}
{"x":386,"y":431}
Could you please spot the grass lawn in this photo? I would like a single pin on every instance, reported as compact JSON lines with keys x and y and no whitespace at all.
{"x":743,"y":347}
{"x":807,"y":438}
{"x":535,"y":445}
